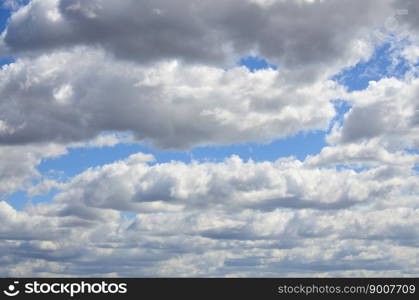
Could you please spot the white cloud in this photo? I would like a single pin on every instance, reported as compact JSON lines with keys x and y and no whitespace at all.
{"x":370,"y":153}
{"x":170,"y":104}
{"x":412,"y":54}
{"x":98,"y":73}
{"x":214,"y":243}
{"x":307,"y":39}
{"x":132,"y":186}
{"x":233,"y":218}
{"x":387,"y":110}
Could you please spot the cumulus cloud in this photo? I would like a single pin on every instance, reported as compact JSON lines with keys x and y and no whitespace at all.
{"x":370,"y":153}
{"x":312,"y":35}
{"x":240,"y":218}
{"x":171,"y":105}
{"x":216,"y":242}
{"x":97,"y":73}
{"x":162,"y":68}
{"x":387,"y":110}
{"x":134,"y":185}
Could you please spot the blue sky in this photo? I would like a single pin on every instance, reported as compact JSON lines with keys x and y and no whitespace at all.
{"x":4,"y":16}
{"x":100,"y":90}
{"x":379,"y":66}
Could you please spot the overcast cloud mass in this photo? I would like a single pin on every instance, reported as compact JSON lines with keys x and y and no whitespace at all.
{"x":100,"y":74}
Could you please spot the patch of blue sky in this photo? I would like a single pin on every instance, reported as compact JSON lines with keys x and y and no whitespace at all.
{"x":358,"y":168}
{"x":6,"y":61}
{"x":79,"y":159}
{"x":412,"y":150}
{"x":299,"y":146}
{"x":385,"y":62}
{"x":6,"y":11}
{"x":129,"y":215}
{"x":341,"y":108}
{"x":4,"y":17}
{"x":254,"y":63}
{"x":18,"y":199}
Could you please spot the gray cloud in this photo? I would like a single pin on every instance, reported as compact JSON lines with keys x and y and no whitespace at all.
{"x":358,"y":241}
{"x":163,"y":73}
{"x":215,"y":219}
{"x":166,"y":100}
{"x":171,"y":105}
{"x":367,"y":154}
{"x":412,"y":9}
{"x":385,"y":111}
{"x":134,"y":185}
{"x":313,"y":36}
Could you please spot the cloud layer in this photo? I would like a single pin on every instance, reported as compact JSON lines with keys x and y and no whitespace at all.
{"x":166,"y":75}
{"x":171,"y":105}
{"x":314,"y":35}
{"x":232,"y":218}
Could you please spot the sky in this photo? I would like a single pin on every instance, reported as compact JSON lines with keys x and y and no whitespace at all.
{"x":255,"y":138}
